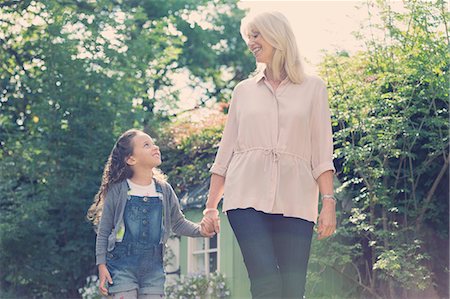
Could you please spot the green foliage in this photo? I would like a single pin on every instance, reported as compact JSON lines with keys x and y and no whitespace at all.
{"x":189,"y":149}
{"x":90,"y":290}
{"x":74,"y":75}
{"x":390,"y":121}
{"x":413,"y":274}
{"x":211,"y":286}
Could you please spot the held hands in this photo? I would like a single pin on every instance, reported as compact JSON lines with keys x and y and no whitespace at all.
{"x":205,"y":227}
{"x":104,"y":276}
{"x":210,"y":224}
{"x":327,"y":219}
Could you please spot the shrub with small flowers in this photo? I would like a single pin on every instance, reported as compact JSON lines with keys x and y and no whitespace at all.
{"x":90,"y":290}
{"x":199,"y":286}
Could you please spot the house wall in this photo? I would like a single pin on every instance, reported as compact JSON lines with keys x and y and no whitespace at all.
{"x":231,"y":262}
{"x":174,"y":245}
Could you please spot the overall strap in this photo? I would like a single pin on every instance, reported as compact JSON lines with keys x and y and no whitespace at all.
{"x":162,"y":195}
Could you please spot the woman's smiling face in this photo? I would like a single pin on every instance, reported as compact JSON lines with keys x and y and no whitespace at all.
{"x":260,"y":48}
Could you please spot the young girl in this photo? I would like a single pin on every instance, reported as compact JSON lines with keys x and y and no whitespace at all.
{"x":135,"y":210}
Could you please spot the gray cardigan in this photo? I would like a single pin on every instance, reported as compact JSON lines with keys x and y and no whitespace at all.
{"x":112,"y":217}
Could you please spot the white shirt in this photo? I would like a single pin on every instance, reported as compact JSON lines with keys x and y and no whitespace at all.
{"x":139,"y":190}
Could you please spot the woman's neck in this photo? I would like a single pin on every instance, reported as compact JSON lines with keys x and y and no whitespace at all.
{"x":142,"y":177}
{"x":269,"y":75}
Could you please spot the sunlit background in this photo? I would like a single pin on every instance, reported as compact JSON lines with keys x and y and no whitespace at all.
{"x":74,"y":74}
{"x":318,"y":26}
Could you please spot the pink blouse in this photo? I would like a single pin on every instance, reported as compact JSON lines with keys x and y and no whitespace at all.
{"x":274,"y":147}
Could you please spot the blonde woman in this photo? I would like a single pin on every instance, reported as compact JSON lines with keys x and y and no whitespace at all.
{"x":275,"y":157}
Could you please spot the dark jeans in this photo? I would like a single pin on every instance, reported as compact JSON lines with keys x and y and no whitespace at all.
{"x":275,"y":250}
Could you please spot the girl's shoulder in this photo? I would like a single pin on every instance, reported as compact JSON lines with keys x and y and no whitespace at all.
{"x":161,"y":184}
{"x":116,"y":188}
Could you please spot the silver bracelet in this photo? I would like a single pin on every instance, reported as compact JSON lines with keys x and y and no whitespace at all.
{"x":216,"y":211}
{"x":328,"y":196}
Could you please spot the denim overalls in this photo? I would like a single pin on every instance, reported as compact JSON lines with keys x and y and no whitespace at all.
{"x":137,"y":261}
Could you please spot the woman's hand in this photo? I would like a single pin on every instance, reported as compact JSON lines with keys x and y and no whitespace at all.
{"x":104,"y":276}
{"x":327,"y":219}
{"x":215,"y":193}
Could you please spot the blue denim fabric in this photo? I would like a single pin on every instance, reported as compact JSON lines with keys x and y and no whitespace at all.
{"x":275,"y":251}
{"x":137,"y":261}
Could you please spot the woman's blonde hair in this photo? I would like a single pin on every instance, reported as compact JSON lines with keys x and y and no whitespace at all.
{"x":276,"y":30}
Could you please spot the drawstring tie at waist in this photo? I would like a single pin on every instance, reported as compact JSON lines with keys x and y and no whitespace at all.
{"x":274,"y":153}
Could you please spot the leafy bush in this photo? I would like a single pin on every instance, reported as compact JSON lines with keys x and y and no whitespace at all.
{"x":199,"y":286}
{"x":90,"y":290}
{"x":390,"y":122}
{"x":188,"y":149}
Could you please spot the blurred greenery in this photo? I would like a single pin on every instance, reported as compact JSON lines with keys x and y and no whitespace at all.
{"x":390,"y":108}
{"x":75,"y":74}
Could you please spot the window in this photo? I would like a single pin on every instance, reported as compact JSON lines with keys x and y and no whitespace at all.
{"x":203,"y":255}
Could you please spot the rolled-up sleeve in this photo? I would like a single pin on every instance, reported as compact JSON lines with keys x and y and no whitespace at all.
{"x":321,"y":135}
{"x":228,"y":141}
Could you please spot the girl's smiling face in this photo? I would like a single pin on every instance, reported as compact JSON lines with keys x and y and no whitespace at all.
{"x":145,"y":152}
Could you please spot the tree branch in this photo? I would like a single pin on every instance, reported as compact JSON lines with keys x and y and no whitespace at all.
{"x":370,"y":290}
{"x":430,"y":194}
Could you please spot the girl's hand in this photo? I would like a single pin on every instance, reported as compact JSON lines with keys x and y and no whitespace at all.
{"x":207,"y":227}
{"x":327,"y":219}
{"x":104,"y":275}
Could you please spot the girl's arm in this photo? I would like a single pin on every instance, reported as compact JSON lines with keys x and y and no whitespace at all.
{"x":104,"y":229}
{"x":180,"y":225}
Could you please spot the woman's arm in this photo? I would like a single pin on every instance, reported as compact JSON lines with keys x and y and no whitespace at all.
{"x":221,"y":163}
{"x":216,"y":187}
{"x":227,"y":143}
{"x":327,"y":217}
{"x":322,"y":160}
